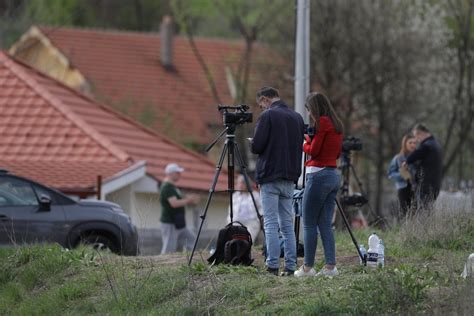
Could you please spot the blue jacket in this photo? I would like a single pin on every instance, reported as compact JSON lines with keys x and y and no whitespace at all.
{"x":394,"y":172}
{"x":278,"y":141}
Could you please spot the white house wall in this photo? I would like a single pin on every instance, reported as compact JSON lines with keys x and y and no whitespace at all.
{"x":148,"y":210}
{"x":145,"y":209}
{"x":125,"y":198}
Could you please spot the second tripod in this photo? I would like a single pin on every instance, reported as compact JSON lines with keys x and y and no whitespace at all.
{"x":358,"y":199}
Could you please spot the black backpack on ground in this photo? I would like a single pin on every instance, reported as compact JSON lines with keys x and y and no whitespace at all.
{"x":234,"y":246}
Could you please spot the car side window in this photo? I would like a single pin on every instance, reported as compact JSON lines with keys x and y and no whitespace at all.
{"x":16,"y":192}
{"x":42,"y":191}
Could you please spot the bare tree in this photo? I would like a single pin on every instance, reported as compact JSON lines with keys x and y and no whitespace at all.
{"x":373,"y":59}
{"x":249,"y":19}
{"x":460,"y":15}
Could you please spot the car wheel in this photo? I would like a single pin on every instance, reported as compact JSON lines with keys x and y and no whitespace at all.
{"x":99,"y":242}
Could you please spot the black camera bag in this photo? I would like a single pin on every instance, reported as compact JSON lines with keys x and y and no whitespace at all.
{"x":234,"y":246}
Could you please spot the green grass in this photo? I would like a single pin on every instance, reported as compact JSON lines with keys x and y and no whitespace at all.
{"x":421,"y":276}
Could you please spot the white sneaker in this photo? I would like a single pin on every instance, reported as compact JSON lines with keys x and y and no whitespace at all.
{"x":301,"y":273}
{"x":327,"y":272}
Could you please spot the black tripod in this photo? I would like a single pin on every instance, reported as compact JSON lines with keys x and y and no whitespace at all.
{"x":346,"y":222}
{"x":232,"y":150}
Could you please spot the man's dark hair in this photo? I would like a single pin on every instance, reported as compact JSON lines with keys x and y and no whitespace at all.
{"x":268,"y":92}
{"x":422,"y":128}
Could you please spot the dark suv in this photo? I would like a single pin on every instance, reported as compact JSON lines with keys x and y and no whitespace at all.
{"x":32,"y":213}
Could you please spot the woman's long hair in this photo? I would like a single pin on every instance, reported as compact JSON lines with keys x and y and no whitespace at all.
{"x":319,"y":105}
{"x":403,"y":147}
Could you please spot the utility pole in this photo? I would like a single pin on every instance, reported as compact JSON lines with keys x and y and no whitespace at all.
{"x":302,"y":52}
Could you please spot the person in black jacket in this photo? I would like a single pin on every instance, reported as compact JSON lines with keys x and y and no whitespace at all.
{"x":428,"y":161}
{"x":277,"y":140}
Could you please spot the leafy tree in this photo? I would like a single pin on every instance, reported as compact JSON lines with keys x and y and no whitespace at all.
{"x":60,"y":12}
{"x":12,"y":23}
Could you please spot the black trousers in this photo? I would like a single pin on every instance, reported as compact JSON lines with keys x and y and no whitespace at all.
{"x":427,"y":196}
{"x":405,"y":199}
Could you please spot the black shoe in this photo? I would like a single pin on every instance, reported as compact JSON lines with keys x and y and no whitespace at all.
{"x":273,"y":271}
{"x":287,"y":272}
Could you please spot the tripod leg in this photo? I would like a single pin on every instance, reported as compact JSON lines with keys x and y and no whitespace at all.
{"x":364,"y":260}
{"x":247,"y":184}
{"x":209,"y":197}
{"x":359,"y":183}
{"x":297,"y":231}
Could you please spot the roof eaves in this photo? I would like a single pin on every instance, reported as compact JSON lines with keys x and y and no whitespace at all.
{"x":45,"y":29}
{"x":123,"y":178}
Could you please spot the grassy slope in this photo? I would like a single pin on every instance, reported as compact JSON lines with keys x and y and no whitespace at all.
{"x":424,"y":258}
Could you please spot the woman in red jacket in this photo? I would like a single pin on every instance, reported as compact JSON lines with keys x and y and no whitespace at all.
{"x":322,"y":184}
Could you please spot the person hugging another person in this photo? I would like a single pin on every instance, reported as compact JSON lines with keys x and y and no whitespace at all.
{"x":322,"y":184}
{"x":427,"y":159}
{"x":244,"y":209}
{"x":402,"y":175}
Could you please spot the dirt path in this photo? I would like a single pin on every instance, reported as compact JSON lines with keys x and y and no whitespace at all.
{"x":201,"y":256}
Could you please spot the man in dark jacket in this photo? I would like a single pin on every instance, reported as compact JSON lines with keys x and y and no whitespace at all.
{"x":428,"y":161}
{"x":278,"y":140}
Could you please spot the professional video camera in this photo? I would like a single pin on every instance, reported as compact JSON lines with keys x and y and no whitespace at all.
{"x":351,"y":143}
{"x":239,"y":114}
{"x":309,"y":130}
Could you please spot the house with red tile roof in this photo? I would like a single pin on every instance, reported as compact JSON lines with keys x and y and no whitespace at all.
{"x":58,"y":136}
{"x":148,"y":75}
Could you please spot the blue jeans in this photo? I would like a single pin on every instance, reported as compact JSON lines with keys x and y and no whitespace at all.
{"x":278,"y":213}
{"x":318,"y":208}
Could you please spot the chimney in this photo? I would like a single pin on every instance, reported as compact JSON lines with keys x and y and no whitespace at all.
{"x":166,"y":42}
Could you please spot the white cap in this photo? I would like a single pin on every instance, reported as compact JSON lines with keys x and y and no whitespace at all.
{"x":173,"y":167}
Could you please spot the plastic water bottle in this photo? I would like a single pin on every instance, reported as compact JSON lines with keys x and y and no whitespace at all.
{"x":363,"y":252}
{"x":372,"y":253}
{"x":212,"y":251}
{"x":469,"y":267}
{"x":381,"y":254}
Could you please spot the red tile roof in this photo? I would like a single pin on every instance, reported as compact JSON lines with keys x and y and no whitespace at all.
{"x":124,"y":67}
{"x":58,"y":136}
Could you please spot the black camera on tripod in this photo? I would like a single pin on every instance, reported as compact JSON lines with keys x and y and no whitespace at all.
{"x":351,"y":143}
{"x":355,"y":199}
{"x":309,"y":130}
{"x":235,"y":115}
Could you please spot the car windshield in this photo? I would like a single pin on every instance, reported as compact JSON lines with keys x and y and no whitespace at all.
{"x":16,"y":192}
